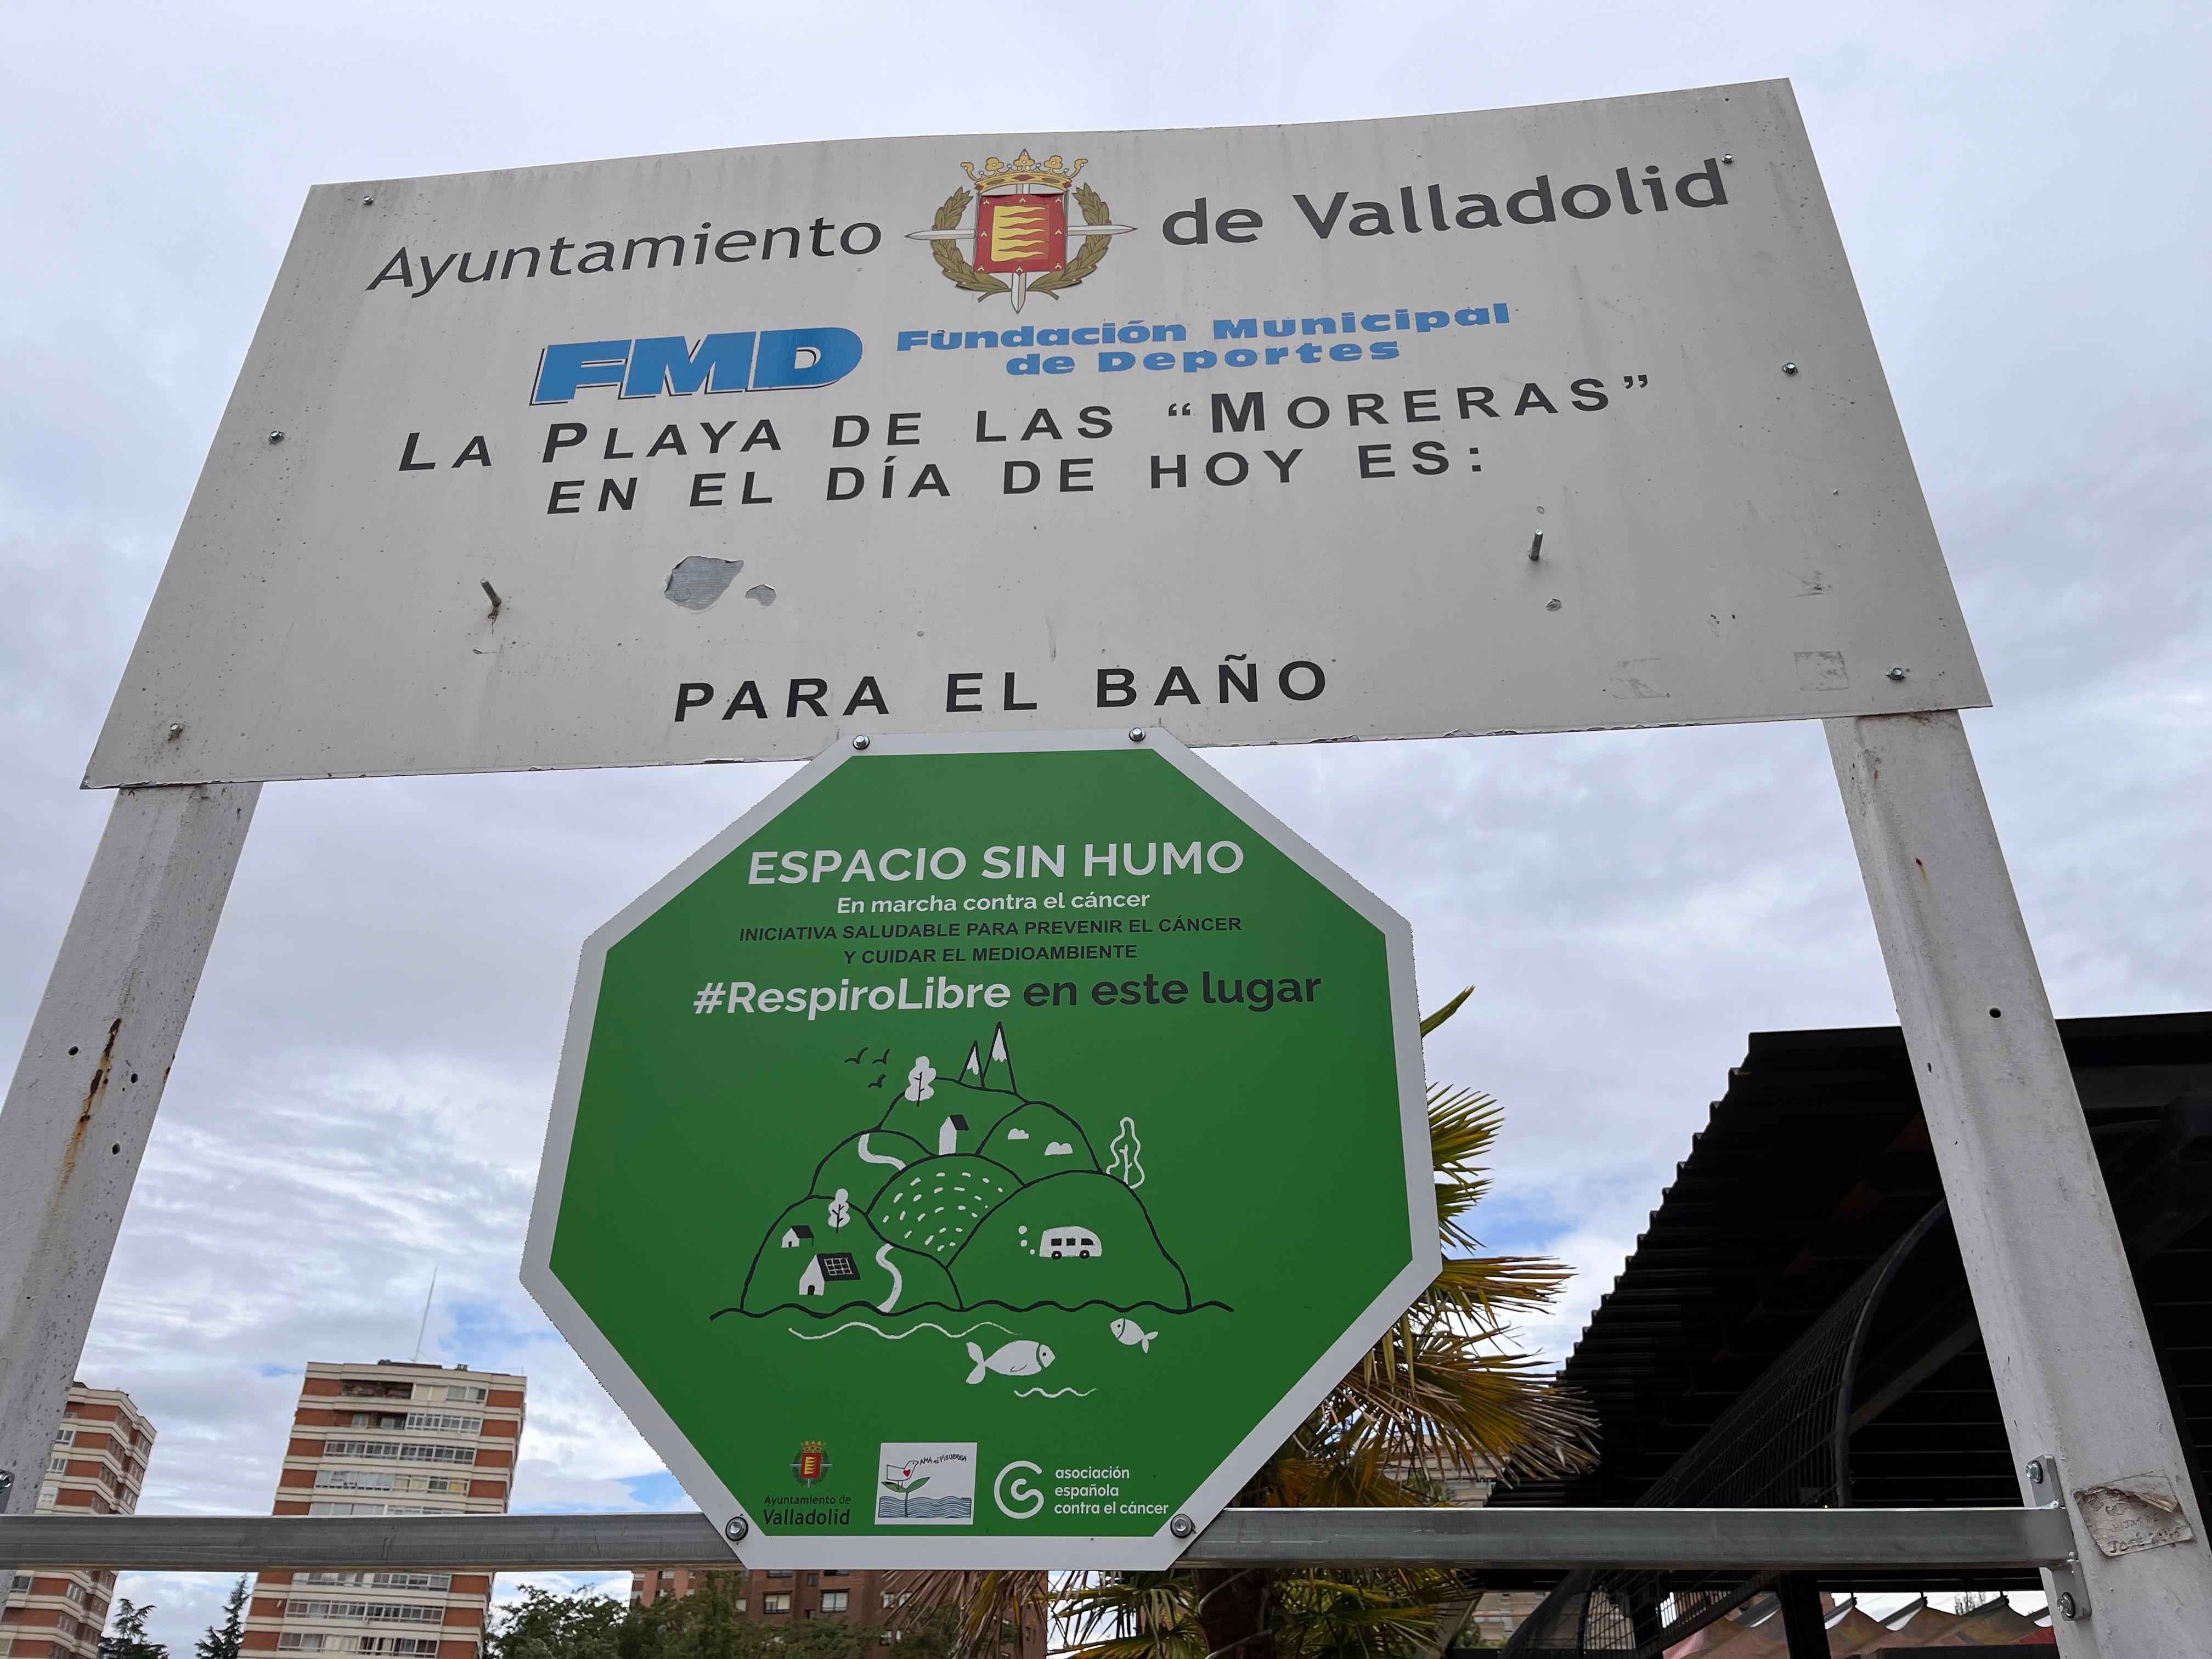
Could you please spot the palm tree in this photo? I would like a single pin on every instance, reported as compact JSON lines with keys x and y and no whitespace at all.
{"x":1441,"y":1396}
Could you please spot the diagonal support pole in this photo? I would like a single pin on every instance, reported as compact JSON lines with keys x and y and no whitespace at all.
{"x":1804,"y":1625}
{"x":2077,"y":1377}
{"x":82,"y":1103}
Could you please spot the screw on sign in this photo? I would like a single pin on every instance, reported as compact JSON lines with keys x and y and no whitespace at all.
{"x":1028,"y":1129}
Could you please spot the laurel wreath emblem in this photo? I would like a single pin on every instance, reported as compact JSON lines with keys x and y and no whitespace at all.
{"x":983,"y":284}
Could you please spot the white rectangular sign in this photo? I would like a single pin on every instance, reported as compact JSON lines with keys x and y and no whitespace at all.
{"x":1531,"y":419}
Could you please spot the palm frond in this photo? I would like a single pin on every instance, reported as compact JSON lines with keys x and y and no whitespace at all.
{"x":1132,"y":1615}
{"x":1311,"y":1613}
{"x":1429,"y":1021}
{"x":1463,"y":1125}
{"x":1478,"y":1286}
{"x":992,"y":1607}
{"x":1433,"y":1398}
{"x":1388,"y":1614}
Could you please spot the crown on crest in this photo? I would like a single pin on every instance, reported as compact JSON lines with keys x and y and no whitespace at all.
{"x":1023,"y":169}
{"x":811,"y":1445}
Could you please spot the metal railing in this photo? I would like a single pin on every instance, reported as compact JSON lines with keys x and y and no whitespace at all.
{"x":1680,"y":1540}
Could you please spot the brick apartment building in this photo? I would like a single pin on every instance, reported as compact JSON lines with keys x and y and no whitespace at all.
{"x":97,"y":1466}
{"x":782,"y":1598}
{"x":387,"y":1438}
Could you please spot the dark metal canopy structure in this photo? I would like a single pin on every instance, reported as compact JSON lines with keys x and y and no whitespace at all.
{"x":1794,"y":1326}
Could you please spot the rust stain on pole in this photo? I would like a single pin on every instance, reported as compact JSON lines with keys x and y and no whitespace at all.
{"x":93,"y":1096}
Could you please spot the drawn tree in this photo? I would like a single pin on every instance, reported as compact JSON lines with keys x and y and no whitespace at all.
{"x":1124,"y":1162}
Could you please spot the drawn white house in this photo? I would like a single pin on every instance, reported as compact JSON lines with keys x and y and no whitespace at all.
{"x":798,"y":1237}
{"x":948,"y":1134}
{"x":825,"y":1269}
{"x":1078,"y":1242}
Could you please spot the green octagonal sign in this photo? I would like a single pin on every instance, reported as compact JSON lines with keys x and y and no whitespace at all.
{"x":985,"y":1153}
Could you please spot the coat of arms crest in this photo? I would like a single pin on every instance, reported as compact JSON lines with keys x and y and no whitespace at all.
{"x":1020,"y":230}
{"x":810,"y":1466}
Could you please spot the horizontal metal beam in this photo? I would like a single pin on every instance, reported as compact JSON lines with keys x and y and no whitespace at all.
{"x":1654,"y":1538}
{"x":1509,"y":1538}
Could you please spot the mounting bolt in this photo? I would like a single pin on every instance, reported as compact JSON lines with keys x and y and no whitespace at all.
{"x":176,"y":730}
{"x":276,"y":437}
{"x":1789,"y":368}
{"x":2035,"y":1471}
{"x":7,"y":1484}
{"x":2068,"y":1609}
{"x":1137,"y":735}
{"x":1727,"y":155}
{"x":1897,"y":673}
{"x":368,"y":201}
{"x":1554,"y":604}
{"x":860,"y":741}
{"x":736,"y":1528}
{"x":1182,"y":1526}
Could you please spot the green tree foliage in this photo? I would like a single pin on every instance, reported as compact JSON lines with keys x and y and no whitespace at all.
{"x":127,"y":1640}
{"x":707,"y":1623}
{"x":543,"y":1626}
{"x":223,"y":1641}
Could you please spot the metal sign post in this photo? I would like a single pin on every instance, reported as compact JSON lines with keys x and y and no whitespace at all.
{"x":2084,"y":1405}
{"x":86,"y":1090}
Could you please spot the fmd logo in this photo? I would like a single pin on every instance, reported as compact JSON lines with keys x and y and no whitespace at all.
{"x":772,"y":360}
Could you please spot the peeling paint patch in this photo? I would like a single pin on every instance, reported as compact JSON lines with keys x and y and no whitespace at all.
{"x":2139,"y":1513}
{"x":1821,"y":671}
{"x":763,"y":593}
{"x":697,"y":582}
{"x":1637,"y":677}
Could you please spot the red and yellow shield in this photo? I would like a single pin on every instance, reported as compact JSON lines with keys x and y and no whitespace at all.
{"x":810,"y":1465}
{"x":1022,"y":232}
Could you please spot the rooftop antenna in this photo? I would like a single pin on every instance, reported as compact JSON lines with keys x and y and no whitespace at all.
{"x":425,"y":1325}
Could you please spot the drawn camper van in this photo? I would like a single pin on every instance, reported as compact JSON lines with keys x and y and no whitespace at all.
{"x":1060,"y":1241}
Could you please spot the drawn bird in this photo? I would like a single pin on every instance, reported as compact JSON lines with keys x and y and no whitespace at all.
{"x":854,"y":1059}
{"x":1133,"y":1334}
{"x":1015,"y":1360}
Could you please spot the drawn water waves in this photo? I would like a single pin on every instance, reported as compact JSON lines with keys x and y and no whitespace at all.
{"x":890,"y":1508}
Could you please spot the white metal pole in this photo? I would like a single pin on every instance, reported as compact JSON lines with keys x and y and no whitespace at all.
{"x":2076,"y":1375}
{"x":82,"y":1103}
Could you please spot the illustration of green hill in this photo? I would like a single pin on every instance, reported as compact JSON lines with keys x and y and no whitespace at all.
{"x":965,"y":1193}
{"x":937,"y":1203}
{"x":1111,"y":1253}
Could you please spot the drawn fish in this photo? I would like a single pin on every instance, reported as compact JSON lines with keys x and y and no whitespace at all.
{"x":1133,"y":1334}
{"x":1015,"y":1360}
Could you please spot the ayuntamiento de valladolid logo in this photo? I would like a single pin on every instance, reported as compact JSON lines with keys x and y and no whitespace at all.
{"x":1019,"y":237}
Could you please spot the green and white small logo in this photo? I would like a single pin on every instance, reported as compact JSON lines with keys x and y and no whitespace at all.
{"x":926,"y":1484}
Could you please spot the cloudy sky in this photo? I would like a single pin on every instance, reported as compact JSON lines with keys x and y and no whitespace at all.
{"x":361,"y":1093}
